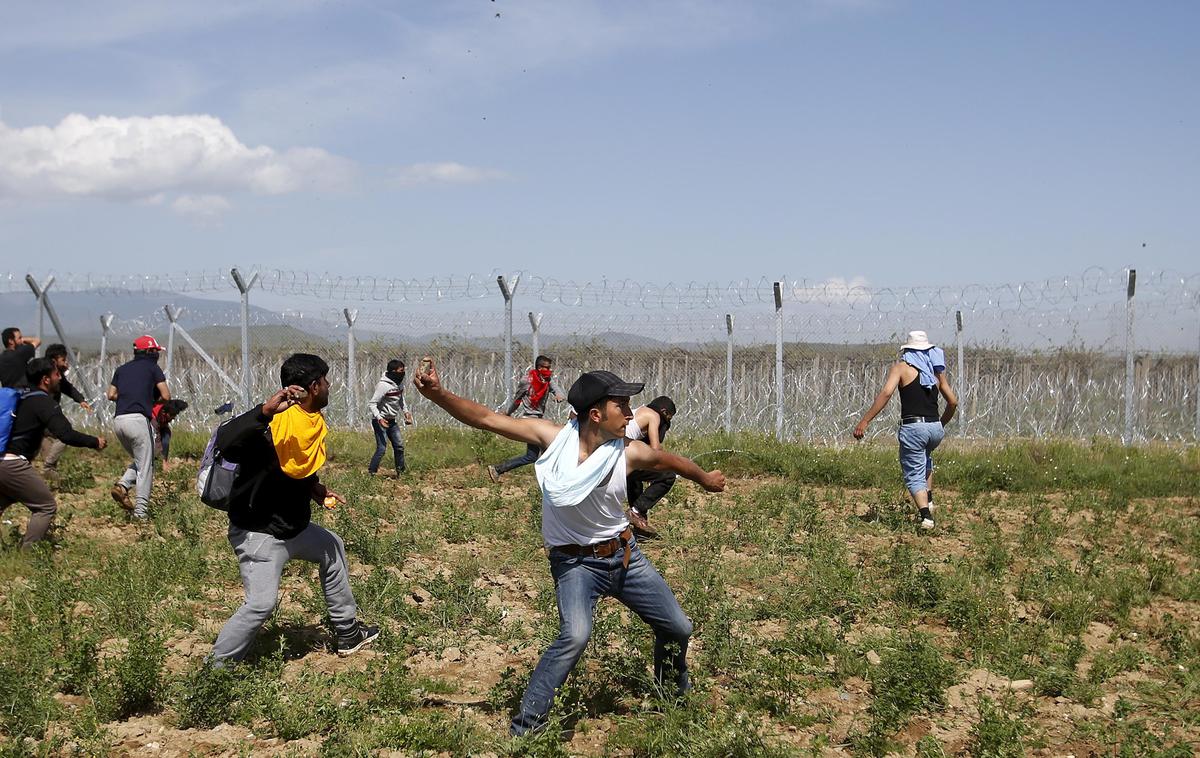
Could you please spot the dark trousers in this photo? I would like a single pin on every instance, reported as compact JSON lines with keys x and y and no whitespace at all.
{"x":20,"y":483}
{"x":382,"y":436}
{"x":648,"y":487}
{"x":532,"y":453}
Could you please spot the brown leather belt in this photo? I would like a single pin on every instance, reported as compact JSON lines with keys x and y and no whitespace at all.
{"x":603,"y":549}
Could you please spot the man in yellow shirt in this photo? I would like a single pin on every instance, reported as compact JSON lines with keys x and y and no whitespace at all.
{"x":279,"y":447}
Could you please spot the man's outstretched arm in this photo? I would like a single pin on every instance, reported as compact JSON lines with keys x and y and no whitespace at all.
{"x":642,"y":457}
{"x":532,"y":431}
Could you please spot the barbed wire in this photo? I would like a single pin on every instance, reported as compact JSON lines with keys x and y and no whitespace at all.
{"x":1090,"y":285}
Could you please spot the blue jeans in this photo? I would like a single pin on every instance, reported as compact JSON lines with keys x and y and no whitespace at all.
{"x":579,"y":582}
{"x":164,"y":439}
{"x":917,"y":443}
{"x":382,"y":435}
{"x":532,"y":453}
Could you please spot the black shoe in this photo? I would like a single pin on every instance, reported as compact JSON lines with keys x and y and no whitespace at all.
{"x":360,"y":635}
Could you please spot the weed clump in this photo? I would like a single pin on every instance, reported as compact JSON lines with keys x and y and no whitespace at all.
{"x":911,"y":678}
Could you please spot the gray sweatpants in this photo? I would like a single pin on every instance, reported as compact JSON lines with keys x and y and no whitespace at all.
{"x":135,"y":435}
{"x":52,"y":450}
{"x":261,"y":558}
{"x":20,"y":483}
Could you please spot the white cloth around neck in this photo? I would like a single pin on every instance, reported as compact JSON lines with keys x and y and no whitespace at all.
{"x":564,"y":480}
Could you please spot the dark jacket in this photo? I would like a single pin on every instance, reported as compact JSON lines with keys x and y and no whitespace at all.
{"x":70,"y":390}
{"x":264,"y":499}
{"x":36,"y":414}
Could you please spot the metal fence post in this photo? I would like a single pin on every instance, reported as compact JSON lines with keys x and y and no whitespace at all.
{"x":47,"y":307}
{"x":173,"y":314}
{"x":1130,"y":286}
{"x":41,"y":310}
{"x":535,"y":322}
{"x":105,"y":326}
{"x":779,"y":360}
{"x":728,"y":373}
{"x":508,"y":291}
{"x":244,"y":288}
{"x":1198,"y":385}
{"x":351,"y":365}
{"x":960,"y":378}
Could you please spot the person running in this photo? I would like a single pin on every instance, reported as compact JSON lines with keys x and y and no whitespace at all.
{"x":18,"y":351}
{"x":52,"y":447}
{"x":161,"y":416}
{"x":646,"y":488}
{"x":134,"y":388}
{"x":530,"y":402}
{"x":387,"y":406}
{"x":36,"y":413}
{"x":279,"y":447}
{"x":591,"y":548}
{"x":919,"y":375}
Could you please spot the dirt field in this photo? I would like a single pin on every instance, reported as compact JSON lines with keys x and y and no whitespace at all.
{"x":1045,"y":621}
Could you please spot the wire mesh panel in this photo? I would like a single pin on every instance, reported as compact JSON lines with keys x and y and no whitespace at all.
{"x":1043,"y":358}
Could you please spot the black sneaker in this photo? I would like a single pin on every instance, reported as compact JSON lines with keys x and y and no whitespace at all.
{"x":359,"y":636}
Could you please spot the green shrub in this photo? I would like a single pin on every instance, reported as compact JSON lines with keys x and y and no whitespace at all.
{"x":997,"y":734}
{"x":133,"y":683}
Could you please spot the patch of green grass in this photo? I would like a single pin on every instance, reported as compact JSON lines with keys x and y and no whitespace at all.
{"x":998,"y":733}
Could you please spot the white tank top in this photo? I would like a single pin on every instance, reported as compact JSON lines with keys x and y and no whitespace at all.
{"x":632,"y":430}
{"x":600,"y":517}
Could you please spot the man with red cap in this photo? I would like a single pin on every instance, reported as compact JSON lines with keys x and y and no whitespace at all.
{"x":135,"y":388}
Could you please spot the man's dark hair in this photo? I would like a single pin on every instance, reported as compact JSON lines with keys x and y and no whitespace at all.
{"x":662,"y":403}
{"x":57,"y":350}
{"x":302,"y":369}
{"x":38,"y":369}
{"x":175,"y":406}
{"x":9,"y":335}
{"x":541,"y":359}
{"x":394,"y":364}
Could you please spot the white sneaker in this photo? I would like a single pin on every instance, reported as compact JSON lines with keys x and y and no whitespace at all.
{"x":926,"y":523}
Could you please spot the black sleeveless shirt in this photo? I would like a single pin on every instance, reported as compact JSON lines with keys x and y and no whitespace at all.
{"x":916,"y":400}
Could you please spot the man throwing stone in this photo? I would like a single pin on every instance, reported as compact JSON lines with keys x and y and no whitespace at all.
{"x":36,"y":413}
{"x":279,"y":447}
{"x":136,"y":386}
{"x":592,"y":551}
{"x":18,"y":351}
{"x":919,"y":376}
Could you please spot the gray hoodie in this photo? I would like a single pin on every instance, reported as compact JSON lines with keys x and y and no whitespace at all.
{"x":387,"y":401}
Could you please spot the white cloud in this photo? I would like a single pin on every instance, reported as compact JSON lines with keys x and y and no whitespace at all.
{"x":84,"y":23}
{"x":445,"y":173}
{"x":200,"y":206}
{"x":139,"y":158}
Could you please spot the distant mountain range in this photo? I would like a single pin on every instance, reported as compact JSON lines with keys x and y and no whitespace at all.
{"x":216,"y":325}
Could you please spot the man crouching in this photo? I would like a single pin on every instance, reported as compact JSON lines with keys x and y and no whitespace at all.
{"x":280,"y":446}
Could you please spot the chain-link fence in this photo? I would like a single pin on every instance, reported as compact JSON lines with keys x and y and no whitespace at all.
{"x":1099,"y":354}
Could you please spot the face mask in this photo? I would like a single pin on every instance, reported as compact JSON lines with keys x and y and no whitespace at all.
{"x":396,"y":376}
{"x":545,"y":373}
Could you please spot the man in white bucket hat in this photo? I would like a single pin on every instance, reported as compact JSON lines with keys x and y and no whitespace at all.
{"x":919,"y":376}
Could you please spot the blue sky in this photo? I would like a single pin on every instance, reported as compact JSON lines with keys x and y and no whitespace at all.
{"x":887,"y":142}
